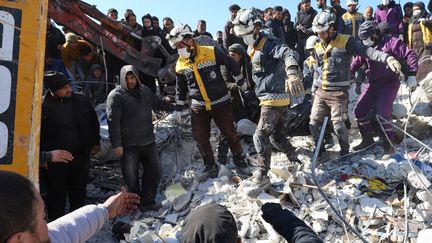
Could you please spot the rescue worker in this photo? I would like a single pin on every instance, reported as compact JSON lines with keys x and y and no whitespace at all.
{"x":351,"y":20}
{"x":309,"y":63}
{"x":308,"y":75}
{"x":333,"y":57}
{"x":391,"y":13}
{"x":198,"y":72}
{"x":276,"y":74}
{"x":420,"y":39}
{"x":381,"y":90}
{"x":349,"y":25}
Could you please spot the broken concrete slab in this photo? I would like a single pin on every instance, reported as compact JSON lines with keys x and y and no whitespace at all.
{"x":417,"y":180}
{"x":246,"y":127}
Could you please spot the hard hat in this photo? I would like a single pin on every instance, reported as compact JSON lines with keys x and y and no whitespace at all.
{"x":323,"y":21}
{"x":178,"y":33}
{"x":245,"y":21}
{"x":311,"y":41}
{"x":351,"y":2}
{"x":367,"y":29}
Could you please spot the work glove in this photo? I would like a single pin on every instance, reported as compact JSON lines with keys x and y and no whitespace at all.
{"x":393,"y":64}
{"x":293,"y":85}
{"x":411,"y":82}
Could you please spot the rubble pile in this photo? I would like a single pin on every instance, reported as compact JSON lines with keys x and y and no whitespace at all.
{"x":382,"y":200}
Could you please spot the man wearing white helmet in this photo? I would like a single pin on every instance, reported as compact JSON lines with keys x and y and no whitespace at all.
{"x":309,"y":63}
{"x":349,"y":25}
{"x":333,"y":55}
{"x":275,"y":72}
{"x":199,"y":77}
{"x":351,"y":20}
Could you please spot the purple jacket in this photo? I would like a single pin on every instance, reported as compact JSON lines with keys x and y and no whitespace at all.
{"x":378,"y":73}
{"x":393,"y":16}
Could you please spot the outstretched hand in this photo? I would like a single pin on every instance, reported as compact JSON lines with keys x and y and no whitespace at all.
{"x":121,"y":203}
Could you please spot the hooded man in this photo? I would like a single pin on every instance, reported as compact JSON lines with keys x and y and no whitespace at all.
{"x":379,"y":93}
{"x":129,"y":111}
{"x":69,"y":123}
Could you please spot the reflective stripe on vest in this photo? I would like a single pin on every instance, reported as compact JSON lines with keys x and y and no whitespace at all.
{"x":339,"y":43}
{"x":354,"y":18}
{"x":426,"y":33}
{"x":205,"y":56}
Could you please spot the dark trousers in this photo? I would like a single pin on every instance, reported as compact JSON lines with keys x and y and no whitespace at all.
{"x":66,"y":179}
{"x":148,"y":157}
{"x":270,"y":131}
{"x":224,"y":119}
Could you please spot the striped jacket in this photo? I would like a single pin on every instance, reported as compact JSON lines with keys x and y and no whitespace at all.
{"x":200,"y":75}
{"x":332,"y":67}
{"x":271,"y":61}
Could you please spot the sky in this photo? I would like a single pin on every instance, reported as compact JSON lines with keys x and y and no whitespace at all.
{"x":214,"y":12}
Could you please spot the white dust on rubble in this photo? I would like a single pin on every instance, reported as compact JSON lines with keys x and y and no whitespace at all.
{"x":367,"y":191}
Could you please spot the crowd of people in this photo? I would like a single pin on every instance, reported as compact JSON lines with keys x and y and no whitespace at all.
{"x":255,"y":68}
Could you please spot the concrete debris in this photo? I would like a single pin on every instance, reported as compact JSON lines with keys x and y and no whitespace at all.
{"x":368,"y":192}
{"x":424,"y":236}
{"x":246,"y":127}
{"x":418,"y":180}
{"x":399,"y":110}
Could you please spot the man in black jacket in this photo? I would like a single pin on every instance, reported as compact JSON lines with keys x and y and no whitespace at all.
{"x":275,"y":24}
{"x":129,"y":111}
{"x":70,"y":123}
{"x":303,"y":25}
{"x":229,"y":37}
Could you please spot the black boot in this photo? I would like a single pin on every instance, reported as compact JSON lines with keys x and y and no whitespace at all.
{"x":315,"y":130}
{"x":366,"y":142}
{"x":342,"y":134}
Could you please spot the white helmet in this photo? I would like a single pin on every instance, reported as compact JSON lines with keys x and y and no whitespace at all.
{"x":311,"y":41}
{"x":245,"y":21}
{"x":178,"y":33}
{"x":351,"y":2}
{"x":322,"y":21}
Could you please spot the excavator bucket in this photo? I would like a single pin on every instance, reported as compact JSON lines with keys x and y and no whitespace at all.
{"x":81,"y":18}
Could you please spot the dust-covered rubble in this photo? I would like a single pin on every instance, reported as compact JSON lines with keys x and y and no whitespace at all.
{"x":382,"y":200}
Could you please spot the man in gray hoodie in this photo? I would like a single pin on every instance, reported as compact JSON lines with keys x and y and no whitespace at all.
{"x":129,"y":111}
